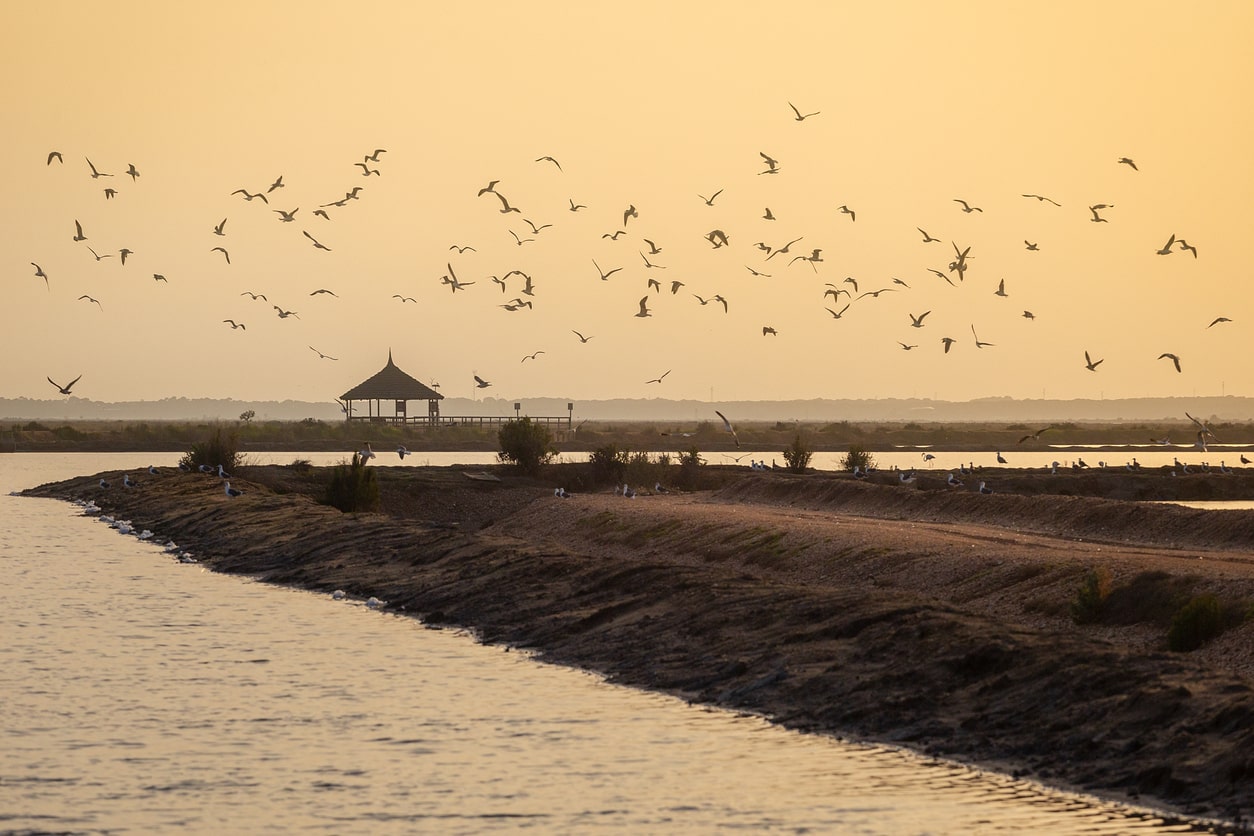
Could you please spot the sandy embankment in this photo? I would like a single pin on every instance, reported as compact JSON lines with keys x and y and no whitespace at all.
{"x":916,"y":617}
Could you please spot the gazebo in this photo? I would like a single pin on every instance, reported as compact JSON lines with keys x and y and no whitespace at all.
{"x":392,"y":384}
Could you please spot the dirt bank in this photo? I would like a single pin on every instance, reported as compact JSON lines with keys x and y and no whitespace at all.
{"x":936,"y":620}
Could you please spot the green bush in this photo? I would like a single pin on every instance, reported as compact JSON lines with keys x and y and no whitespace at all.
{"x":1196,"y":623}
{"x":797,"y":455}
{"x":1086,"y":606}
{"x":353,"y":487}
{"x":218,"y":449}
{"x":690,"y":464}
{"x":608,"y":464}
{"x":525,"y":445}
{"x":858,"y":457}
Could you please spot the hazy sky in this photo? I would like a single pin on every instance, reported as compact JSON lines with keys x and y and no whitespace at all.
{"x":651,"y":105}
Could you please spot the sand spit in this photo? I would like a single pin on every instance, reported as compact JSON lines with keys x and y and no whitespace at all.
{"x":870,"y":611}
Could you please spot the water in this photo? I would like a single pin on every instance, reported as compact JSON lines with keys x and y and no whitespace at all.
{"x":142,"y":695}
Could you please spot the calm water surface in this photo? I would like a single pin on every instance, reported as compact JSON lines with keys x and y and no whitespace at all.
{"x":141,"y":695}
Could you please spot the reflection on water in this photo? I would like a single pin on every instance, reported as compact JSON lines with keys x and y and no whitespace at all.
{"x":142,"y":694}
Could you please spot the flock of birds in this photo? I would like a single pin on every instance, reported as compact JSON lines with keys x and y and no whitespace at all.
{"x":625,"y":230}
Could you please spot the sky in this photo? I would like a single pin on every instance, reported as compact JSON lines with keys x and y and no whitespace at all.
{"x":670,"y":108}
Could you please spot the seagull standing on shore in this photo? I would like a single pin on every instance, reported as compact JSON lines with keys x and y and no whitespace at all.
{"x":232,"y":492}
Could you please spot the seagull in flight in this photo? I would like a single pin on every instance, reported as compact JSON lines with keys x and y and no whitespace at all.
{"x":534,"y":354}
{"x":1128,"y":162}
{"x":505,"y":207}
{"x":40,"y":274}
{"x":248,"y":196}
{"x":404,"y":299}
{"x":766,"y":329}
{"x":1036,"y":436}
{"x":1098,"y":219}
{"x":728,"y":427}
{"x":235,"y":325}
{"x":255,"y":296}
{"x":847,"y":211}
{"x":219,"y":229}
{"x":659,"y":379}
{"x":480,"y":383}
{"x":324,"y":290}
{"x":709,"y":201}
{"x":644,"y":307}
{"x":55,"y":155}
{"x":801,"y":117}
{"x":948,"y":341}
{"x":322,"y":356}
{"x":94,"y":173}
{"x":927,"y":239}
{"x":1184,"y":245}
{"x":91,"y":299}
{"x":1213,"y":323}
{"x":225,"y":254}
{"x":277,"y":184}
{"x":967,"y":207}
{"x":98,"y":256}
{"x":575,"y":207}
{"x":78,"y":232}
{"x":550,"y":159}
{"x":1043,"y":198}
{"x":286,"y":217}
{"x":582,"y":338}
{"x":629,"y":212}
{"x":1090,"y":363}
{"x":772,"y":165}
{"x":374,"y":157}
{"x":65,"y":390}
{"x":285,"y":314}
{"x":978,"y":344}
{"x":917,"y":321}
{"x":461,"y":249}
{"x":317,"y":244}
{"x":1166,"y":248}
{"x":1173,"y":358}
{"x":604,"y":275}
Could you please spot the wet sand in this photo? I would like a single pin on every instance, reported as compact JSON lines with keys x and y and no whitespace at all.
{"x":931,"y":618}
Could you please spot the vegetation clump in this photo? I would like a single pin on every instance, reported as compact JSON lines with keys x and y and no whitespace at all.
{"x":690,"y":465}
{"x":1196,"y":623}
{"x":797,"y":455}
{"x":1090,"y":599}
{"x":220,"y":448}
{"x":607,"y":464}
{"x":353,"y":487}
{"x":858,"y":456}
{"x":525,"y":445}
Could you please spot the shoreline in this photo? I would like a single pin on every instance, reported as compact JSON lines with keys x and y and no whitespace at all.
{"x":825,"y":605}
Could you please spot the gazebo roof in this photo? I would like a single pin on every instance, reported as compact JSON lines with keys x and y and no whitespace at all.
{"x":391,"y":384}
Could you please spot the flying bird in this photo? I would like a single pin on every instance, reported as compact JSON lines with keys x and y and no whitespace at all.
{"x":317,"y":244}
{"x":1213,"y":323}
{"x":123,"y":253}
{"x":1043,"y":198}
{"x":967,"y":207}
{"x":582,"y":338}
{"x":604,"y":275}
{"x":675,"y":286}
{"x":847,"y":211}
{"x":629,"y":212}
{"x":218,"y":230}
{"x":917,"y":321}
{"x":40,"y":274}
{"x":286,"y":217}
{"x":550,"y":159}
{"x":800,"y":117}
{"x":1166,"y":248}
{"x":1098,"y":219}
{"x":285,"y":314}
{"x":98,"y":256}
{"x":366,"y":170}
{"x":1184,"y":245}
{"x":55,"y":155}
{"x":222,"y":250}
{"x":659,"y":379}
{"x":404,"y":299}
{"x":249,"y":196}
{"x":1031,"y":246}
{"x":1173,"y":358}
{"x":234,"y":325}
{"x":927,"y":239}
{"x":255,"y":296}
{"x":948,"y":341}
{"x":1092,"y":364}
{"x":1126,"y":161}
{"x":534,"y":354}
{"x":322,"y":356}
{"x":65,"y":390}
{"x":654,"y":249}
{"x":94,"y":173}
{"x":277,"y":184}
{"x":709,"y":201}
{"x":505,"y":207}
{"x":728,"y":427}
{"x":78,"y":232}
{"x":772,"y":165}
{"x":766,"y":329}
{"x":461,"y":249}
{"x":979,"y":344}
{"x":644,"y":307}
{"x":575,"y":207}
{"x":324,"y":290}
{"x":480,"y":383}
{"x":374,"y":157}
{"x":91,"y":299}
{"x":1001,"y":289}
{"x":535,"y":230}
{"x":521,"y":241}
{"x":491,"y":187}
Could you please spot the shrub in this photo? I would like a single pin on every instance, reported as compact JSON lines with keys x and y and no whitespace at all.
{"x":525,"y":445}
{"x":1086,"y":606}
{"x":797,"y":455}
{"x":1196,"y":623}
{"x":858,"y":457}
{"x":353,"y":487}
{"x":690,"y":464}
{"x":608,"y":464}
{"x":218,"y":449}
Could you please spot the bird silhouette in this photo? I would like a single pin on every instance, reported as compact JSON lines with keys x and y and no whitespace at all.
{"x":322,"y":356}
{"x":644,"y":307}
{"x":225,"y":254}
{"x":799,"y":116}
{"x":1128,"y":162}
{"x":1043,"y":198}
{"x":40,"y":274}
{"x":1092,"y":364}
{"x":927,"y":239}
{"x":582,"y":338}
{"x":91,"y":299}
{"x":480,"y":383}
{"x":603,"y":274}
{"x":65,"y":390}
{"x":709,"y":201}
{"x":727,"y":425}
{"x":317,"y":244}
{"x":967,"y":207}
{"x":94,"y":173}
{"x":1173,"y":358}
{"x":551,"y":160}
{"x":660,"y":378}
{"x":235,"y":325}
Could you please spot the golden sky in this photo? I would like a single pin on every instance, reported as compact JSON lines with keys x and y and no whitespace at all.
{"x":655,"y":105}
